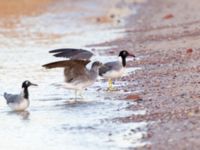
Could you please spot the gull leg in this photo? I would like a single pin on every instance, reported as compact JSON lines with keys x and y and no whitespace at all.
{"x":80,"y":94}
{"x":75,"y":94}
{"x":110,"y":85}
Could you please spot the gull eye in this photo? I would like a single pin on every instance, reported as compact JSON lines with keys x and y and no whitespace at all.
{"x":124,"y":53}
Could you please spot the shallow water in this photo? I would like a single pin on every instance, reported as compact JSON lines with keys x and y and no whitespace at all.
{"x":54,"y":120}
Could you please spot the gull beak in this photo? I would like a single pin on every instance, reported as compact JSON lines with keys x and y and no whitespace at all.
{"x":132,"y":55}
{"x":34,"y":84}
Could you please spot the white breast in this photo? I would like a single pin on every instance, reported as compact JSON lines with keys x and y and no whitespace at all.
{"x":19,"y":106}
{"x":114,"y":74}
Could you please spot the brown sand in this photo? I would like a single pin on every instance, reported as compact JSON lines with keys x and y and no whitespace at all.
{"x":17,"y":8}
{"x":165,"y":36}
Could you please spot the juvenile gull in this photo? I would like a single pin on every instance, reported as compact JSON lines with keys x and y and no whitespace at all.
{"x":77,"y":76}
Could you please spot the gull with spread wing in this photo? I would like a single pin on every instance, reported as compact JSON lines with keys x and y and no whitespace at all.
{"x":77,"y":75}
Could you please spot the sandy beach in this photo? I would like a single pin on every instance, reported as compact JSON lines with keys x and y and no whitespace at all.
{"x":165,"y":36}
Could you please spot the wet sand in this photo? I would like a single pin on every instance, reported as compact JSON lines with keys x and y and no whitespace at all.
{"x":165,"y":38}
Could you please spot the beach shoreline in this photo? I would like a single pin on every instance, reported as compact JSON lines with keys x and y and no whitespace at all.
{"x":164,"y":36}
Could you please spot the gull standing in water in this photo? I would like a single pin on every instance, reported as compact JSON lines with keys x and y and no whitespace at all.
{"x":114,"y":69}
{"x":77,"y":76}
{"x":19,"y":102}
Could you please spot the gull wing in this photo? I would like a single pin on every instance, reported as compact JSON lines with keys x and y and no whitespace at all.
{"x":73,"y":68}
{"x":72,"y":53}
{"x":115,"y":66}
{"x":78,"y":64}
{"x":11,"y":98}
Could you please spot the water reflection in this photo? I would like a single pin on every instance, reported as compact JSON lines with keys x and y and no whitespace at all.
{"x":22,"y":114}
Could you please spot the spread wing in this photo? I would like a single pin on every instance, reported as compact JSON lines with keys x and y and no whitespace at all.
{"x":72,"y":53}
{"x":78,"y":64}
{"x":73,"y":68}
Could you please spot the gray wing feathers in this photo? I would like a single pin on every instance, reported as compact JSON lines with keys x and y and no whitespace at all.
{"x":72,"y":53}
{"x":103,"y":70}
{"x":115,"y":65}
{"x":73,"y":69}
{"x":72,"y":73}
{"x":10,"y":98}
{"x":78,"y":64}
